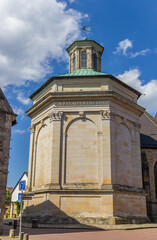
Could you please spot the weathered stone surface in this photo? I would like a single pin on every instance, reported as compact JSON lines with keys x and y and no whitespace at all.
{"x":7,"y":119}
{"x":12,"y":233}
{"x":26,"y":236}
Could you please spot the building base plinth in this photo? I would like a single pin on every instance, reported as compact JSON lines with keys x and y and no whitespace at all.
{"x":87,"y":222}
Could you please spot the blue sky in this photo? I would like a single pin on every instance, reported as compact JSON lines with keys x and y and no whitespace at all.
{"x":33,"y":42}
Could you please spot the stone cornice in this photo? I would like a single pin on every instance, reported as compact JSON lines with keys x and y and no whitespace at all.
{"x":82,"y":96}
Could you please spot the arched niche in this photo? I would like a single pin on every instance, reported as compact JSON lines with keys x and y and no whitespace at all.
{"x":124,"y":156}
{"x":42,"y":167}
{"x":81,"y":152}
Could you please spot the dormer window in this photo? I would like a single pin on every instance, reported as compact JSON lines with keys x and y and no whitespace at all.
{"x":83,"y":59}
{"x":74,"y":62}
{"x":94,"y":62}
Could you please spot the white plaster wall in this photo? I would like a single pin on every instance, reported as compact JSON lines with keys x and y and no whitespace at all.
{"x":15,"y":193}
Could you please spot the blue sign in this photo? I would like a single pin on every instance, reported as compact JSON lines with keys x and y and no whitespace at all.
{"x":22,"y":185}
{"x":20,"y":197}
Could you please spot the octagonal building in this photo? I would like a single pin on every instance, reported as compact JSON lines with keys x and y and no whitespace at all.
{"x":85,"y":159}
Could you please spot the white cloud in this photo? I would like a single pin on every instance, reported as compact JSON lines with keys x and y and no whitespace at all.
{"x":71,"y":1}
{"x":19,"y":111}
{"x":32,"y":34}
{"x":22,"y":99}
{"x":123,"y":46}
{"x":148,"y":90}
{"x":19,"y":131}
{"x":142,"y":53}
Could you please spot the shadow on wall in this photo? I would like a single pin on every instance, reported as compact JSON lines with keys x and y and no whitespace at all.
{"x":48,"y":215}
{"x":148,"y":142}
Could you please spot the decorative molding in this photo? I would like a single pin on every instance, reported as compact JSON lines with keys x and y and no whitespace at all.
{"x":81,"y":114}
{"x":32,"y":128}
{"x":81,"y":103}
{"x":137,"y":126}
{"x":55,"y":116}
{"x":107,"y":115}
{"x":42,"y":122}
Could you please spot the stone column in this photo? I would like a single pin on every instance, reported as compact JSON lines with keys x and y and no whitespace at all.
{"x":55,"y":118}
{"x":108,"y":147}
{"x":31,"y":154}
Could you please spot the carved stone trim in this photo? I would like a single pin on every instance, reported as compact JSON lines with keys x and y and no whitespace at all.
{"x":55,"y":116}
{"x":137,"y":126}
{"x":42,"y":122}
{"x":32,"y":128}
{"x":81,"y":114}
{"x":107,"y":115}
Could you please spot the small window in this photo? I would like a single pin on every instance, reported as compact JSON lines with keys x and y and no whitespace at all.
{"x":94,"y":62}
{"x":74,"y":62}
{"x":83,"y":59}
{"x":155,"y":177}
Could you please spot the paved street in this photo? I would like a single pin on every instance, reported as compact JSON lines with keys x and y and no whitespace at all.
{"x":80,"y":234}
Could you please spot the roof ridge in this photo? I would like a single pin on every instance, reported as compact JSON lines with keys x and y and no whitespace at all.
{"x":151,"y":118}
{"x":4,"y":104}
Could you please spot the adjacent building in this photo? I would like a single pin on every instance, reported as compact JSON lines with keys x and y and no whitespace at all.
{"x":7,"y":120}
{"x":15,"y":192}
{"x":149,"y":161}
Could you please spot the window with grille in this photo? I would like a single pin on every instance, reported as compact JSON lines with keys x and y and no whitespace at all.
{"x":83,"y":59}
{"x":155,"y":177}
{"x":94,"y":62}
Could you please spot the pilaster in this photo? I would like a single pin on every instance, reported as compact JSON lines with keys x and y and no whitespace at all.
{"x":31,"y":159}
{"x":137,"y":157}
{"x":77,"y":58}
{"x":89,"y":58}
{"x":108,"y":153}
{"x":55,"y":119}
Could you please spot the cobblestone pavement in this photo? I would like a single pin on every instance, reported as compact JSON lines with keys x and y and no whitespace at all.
{"x":85,"y":234}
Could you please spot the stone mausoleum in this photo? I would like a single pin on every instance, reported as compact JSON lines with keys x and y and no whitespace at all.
{"x":85,"y":155}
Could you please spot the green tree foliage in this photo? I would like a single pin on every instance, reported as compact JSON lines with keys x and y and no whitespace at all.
{"x":18,"y":206}
{"x":8,"y":198}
